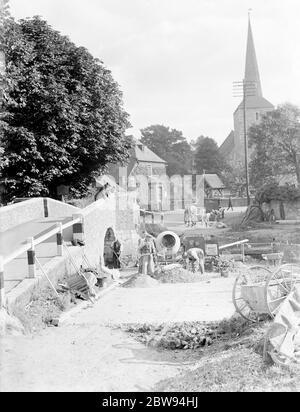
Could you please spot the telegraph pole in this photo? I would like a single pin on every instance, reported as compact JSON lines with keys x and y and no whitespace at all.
{"x":244,"y":89}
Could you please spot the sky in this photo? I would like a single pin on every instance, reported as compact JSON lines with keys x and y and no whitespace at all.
{"x":176,"y":60}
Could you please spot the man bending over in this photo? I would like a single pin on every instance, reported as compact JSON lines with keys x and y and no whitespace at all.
{"x":195,"y":256}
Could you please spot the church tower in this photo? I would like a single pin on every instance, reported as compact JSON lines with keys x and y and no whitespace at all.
{"x":233,"y":149}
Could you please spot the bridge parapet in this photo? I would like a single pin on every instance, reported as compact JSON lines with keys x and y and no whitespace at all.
{"x":36,"y":208}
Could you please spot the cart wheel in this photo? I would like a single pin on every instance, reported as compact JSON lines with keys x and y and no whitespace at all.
{"x":279,"y":285}
{"x":250,"y":276}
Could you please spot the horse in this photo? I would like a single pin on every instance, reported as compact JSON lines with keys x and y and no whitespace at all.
{"x":190,"y":216}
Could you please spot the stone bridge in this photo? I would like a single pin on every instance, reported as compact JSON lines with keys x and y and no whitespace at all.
{"x":34,"y":228}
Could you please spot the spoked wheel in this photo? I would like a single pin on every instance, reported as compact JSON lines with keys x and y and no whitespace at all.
{"x":280,"y":284}
{"x":248,"y":293}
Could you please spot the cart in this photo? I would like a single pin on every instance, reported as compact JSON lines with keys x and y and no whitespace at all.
{"x":259,"y":292}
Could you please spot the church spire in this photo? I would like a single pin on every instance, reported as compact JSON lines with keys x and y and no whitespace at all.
{"x":251,"y":71}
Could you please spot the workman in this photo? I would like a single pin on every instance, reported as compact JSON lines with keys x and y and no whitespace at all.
{"x":147,"y":252}
{"x":195,"y":256}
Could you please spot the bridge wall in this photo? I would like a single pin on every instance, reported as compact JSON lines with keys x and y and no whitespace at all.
{"x":37,"y":208}
{"x":115,"y":212}
{"x":23,"y":212}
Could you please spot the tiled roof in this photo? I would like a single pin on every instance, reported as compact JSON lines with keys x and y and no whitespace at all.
{"x":214,"y":182}
{"x":256,"y":102}
{"x":144,"y":154}
{"x":227,"y":146}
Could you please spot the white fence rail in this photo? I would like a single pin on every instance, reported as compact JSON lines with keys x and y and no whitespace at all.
{"x":240,"y":242}
{"x":76,"y":222}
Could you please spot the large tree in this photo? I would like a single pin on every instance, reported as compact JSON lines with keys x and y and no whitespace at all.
{"x":64,"y":117}
{"x":276,"y":145}
{"x":171,"y":146}
{"x":208,"y":157}
{"x":4,"y":16}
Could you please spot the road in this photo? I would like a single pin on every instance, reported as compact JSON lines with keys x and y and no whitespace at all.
{"x":174,"y":220}
{"x":84,"y":354}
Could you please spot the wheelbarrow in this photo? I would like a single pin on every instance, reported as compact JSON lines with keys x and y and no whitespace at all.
{"x":259,"y":292}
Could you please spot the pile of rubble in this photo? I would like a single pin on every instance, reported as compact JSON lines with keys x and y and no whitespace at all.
{"x":176,"y":274}
{"x":141,"y":281}
{"x":188,"y":335}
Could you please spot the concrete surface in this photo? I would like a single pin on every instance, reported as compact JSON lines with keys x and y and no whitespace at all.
{"x":179,"y":302}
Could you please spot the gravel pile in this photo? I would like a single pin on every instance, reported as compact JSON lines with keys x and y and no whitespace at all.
{"x":141,"y":281}
{"x":176,"y":274}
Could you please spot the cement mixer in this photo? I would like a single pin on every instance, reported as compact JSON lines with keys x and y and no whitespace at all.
{"x":168,"y":245}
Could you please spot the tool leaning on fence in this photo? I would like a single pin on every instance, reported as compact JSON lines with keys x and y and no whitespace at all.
{"x":83,"y":283}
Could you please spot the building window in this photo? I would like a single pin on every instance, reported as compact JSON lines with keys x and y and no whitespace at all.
{"x":149,"y":170}
{"x":257,"y":116}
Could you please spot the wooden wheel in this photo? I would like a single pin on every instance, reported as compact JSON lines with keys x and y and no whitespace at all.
{"x":279,"y":285}
{"x":248,"y":292}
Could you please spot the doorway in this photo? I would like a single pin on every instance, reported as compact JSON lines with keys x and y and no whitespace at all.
{"x":108,"y":251}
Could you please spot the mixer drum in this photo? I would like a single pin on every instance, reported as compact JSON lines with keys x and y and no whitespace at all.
{"x":169,"y":241}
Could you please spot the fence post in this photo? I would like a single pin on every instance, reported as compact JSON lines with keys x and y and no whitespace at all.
{"x":2,"y":290}
{"x":243,"y":252}
{"x":31,"y":259}
{"x":78,"y":229}
{"x":153,"y":219}
{"x":59,"y":240}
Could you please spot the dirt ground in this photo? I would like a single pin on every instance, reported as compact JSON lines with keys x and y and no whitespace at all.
{"x":85,"y":354}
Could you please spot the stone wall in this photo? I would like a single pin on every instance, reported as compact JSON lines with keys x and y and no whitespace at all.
{"x":143,"y":169}
{"x":112,"y":213}
{"x":23,"y":212}
{"x":59,"y":209}
{"x":37,"y":208}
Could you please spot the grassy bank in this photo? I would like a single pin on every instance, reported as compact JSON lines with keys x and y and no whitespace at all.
{"x":224,"y":357}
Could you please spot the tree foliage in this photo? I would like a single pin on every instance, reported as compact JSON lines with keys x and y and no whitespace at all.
{"x":208,"y":157}
{"x":171,"y":146}
{"x":272,"y":191}
{"x":276,"y":144}
{"x":234,"y":178}
{"x":64,"y":117}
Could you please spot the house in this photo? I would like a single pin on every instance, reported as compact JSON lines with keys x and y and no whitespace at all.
{"x":145,"y":172}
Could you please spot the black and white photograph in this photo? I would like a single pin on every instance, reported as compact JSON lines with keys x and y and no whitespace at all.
{"x":149,"y":199}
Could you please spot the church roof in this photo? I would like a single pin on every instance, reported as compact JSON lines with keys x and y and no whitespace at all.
{"x":254,"y":96}
{"x":227,"y":146}
{"x":251,"y":69}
